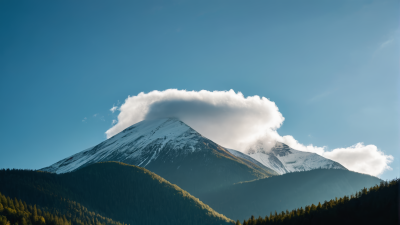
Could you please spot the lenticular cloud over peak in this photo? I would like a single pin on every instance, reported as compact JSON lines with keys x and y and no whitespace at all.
{"x":241,"y":123}
{"x":226,"y":117}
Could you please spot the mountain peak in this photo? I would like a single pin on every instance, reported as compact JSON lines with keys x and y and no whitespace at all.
{"x":138,"y":144}
{"x":284,"y":159}
{"x":167,"y":128}
{"x":173,"y":150}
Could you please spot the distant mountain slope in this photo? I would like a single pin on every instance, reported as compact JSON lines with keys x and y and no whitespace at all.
{"x":122,"y":192}
{"x":376,"y":205}
{"x":288,"y":191}
{"x":173,"y":150}
{"x":284,"y":159}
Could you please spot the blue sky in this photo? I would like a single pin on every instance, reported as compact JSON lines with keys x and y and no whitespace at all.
{"x":331,"y":67}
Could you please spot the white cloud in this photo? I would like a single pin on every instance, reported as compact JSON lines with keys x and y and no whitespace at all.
{"x":238,"y":122}
{"x":113,"y":109}
{"x":293,"y":143}
{"x":361,"y":158}
{"x":114,"y":122}
{"x":226,"y":117}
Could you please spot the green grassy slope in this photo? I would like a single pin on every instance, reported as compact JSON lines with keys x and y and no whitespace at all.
{"x":122,"y":192}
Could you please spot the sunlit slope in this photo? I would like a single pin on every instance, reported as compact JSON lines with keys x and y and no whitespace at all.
{"x":288,"y":191}
{"x":122,"y":192}
{"x":16,"y":211}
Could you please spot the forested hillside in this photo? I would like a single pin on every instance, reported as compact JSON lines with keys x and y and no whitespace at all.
{"x":287,"y":191}
{"x":125,"y":193}
{"x":15,"y":211}
{"x":375,"y":205}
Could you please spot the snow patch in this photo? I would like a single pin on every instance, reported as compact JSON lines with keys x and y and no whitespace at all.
{"x":284,"y":159}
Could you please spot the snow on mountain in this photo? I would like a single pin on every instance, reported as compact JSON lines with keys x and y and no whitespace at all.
{"x":174,"y":151}
{"x":139,"y":145}
{"x":165,"y":140}
{"x":247,"y":157}
{"x":284,"y":159}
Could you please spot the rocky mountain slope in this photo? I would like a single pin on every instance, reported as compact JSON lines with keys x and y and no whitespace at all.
{"x":284,"y":159}
{"x":173,"y":150}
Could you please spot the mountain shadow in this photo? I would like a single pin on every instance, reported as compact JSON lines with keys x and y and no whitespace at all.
{"x":286,"y":192}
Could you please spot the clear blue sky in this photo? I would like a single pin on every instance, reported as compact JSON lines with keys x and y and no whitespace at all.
{"x":332,"y":67}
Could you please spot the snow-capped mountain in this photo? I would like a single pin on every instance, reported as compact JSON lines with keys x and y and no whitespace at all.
{"x":138,"y":145}
{"x":283,"y":159}
{"x":173,"y":150}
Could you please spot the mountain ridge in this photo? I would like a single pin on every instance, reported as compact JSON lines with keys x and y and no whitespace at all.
{"x":173,"y":150}
{"x":283,"y":159}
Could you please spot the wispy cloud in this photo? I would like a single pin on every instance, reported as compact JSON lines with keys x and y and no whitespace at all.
{"x":99,"y":117}
{"x":113,"y":109}
{"x":386,"y":43}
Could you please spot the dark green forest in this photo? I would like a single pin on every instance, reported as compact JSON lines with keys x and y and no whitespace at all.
{"x":117,"y":193}
{"x":375,"y":205}
{"x":16,"y":211}
{"x":125,"y":193}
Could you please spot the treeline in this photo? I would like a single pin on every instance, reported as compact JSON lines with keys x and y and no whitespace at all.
{"x":376,"y":205}
{"x":119,"y":191}
{"x":15,"y":211}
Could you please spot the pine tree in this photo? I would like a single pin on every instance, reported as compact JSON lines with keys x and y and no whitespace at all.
{"x":10,"y":203}
{"x":23,"y":221}
{"x":34,"y":214}
{"x":21,"y":205}
{"x":16,"y":204}
{"x":259,"y":220}
{"x":4,"y":221}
